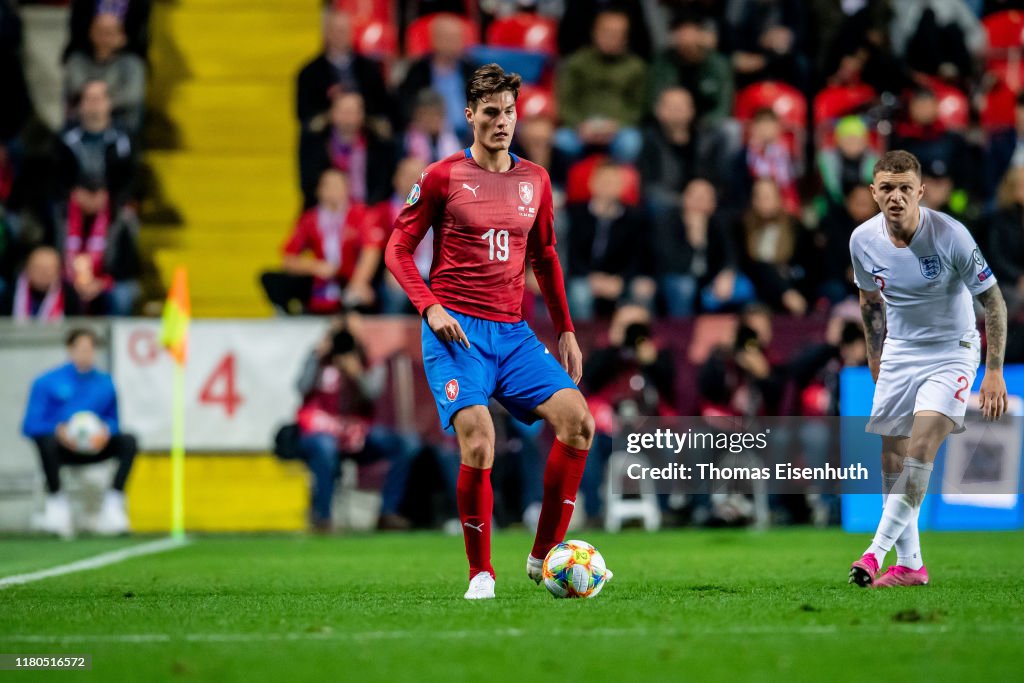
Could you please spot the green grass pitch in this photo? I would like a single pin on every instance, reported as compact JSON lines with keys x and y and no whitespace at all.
{"x":688,"y":605}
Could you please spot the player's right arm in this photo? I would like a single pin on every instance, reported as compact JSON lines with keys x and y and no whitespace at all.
{"x":872,"y":311}
{"x":872,"y":307}
{"x":424,"y":208}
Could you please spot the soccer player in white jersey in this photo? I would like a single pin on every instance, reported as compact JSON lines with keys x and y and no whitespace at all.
{"x":917,"y":270}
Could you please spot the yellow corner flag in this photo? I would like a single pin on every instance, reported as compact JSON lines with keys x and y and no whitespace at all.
{"x":174,"y":336}
{"x":177,"y":313}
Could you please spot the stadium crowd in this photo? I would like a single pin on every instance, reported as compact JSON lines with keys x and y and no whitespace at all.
{"x":705,"y":157}
{"x":68,"y":198}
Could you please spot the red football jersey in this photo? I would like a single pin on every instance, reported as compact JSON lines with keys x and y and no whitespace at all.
{"x":485,"y":225}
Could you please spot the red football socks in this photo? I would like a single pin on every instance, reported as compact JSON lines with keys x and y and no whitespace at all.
{"x":476,"y":503}
{"x":561,"y":482}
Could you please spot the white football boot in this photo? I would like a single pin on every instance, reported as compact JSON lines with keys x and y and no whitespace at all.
{"x":55,"y":517}
{"x":112,"y":520}
{"x":481,"y":587}
{"x":534,"y":569}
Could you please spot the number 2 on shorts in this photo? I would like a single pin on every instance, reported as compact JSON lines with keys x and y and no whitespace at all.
{"x":962,"y":381}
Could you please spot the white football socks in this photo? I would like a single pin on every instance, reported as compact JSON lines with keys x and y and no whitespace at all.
{"x":901,"y":508}
{"x":908,"y":545}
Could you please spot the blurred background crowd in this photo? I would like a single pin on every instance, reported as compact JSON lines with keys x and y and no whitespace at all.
{"x":706,"y":157}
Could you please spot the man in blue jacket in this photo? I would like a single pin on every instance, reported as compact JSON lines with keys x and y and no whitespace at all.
{"x":56,"y":396}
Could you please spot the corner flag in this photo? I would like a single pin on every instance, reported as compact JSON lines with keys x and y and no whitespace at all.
{"x":174,"y":336}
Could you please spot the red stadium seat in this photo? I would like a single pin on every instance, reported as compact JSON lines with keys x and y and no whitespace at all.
{"x":836,"y":101}
{"x":365,"y":11}
{"x":578,"y":183}
{"x":787,"y":102}
{"x":536,"y":101}
{"x":954,"y":107}
{"x":525,"y":32}
{"x":1005,"y":29}
{"x":376,"y":39}
{"x":999,"y":110}
{"x":417,"y":36}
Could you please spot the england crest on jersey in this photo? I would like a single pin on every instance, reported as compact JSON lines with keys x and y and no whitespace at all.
{"x":526,"y":192}
{"x":930,"y":266}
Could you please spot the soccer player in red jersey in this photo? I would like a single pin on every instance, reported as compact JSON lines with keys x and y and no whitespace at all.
{"x":490,"y":210}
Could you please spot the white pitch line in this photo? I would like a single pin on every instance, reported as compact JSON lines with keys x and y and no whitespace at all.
{"x":95,"y":562}
{"x":330,"y":635}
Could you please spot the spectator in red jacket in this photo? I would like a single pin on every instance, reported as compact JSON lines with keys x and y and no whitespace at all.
{"x":101,"y":258}
{"x":332,"y":255}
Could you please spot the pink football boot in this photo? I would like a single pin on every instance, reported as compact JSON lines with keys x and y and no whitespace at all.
{"x":862,"y":572}
{"x":898,"y":575}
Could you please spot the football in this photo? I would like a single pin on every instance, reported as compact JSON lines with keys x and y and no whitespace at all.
{"x":574,"y":569}
{"x":84,"y":431}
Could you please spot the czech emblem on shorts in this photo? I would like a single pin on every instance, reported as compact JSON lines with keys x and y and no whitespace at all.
{"x":526,"y":192}
{"x":451,"y":389}
{"x":414,"y":195}
{"x":930,"y":266}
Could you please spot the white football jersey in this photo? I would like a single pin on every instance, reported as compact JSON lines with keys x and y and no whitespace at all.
{"x":927,"y":286}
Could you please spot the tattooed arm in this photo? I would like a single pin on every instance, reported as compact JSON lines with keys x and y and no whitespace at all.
{"x":993,"y":387}
{"x":872,"y":310}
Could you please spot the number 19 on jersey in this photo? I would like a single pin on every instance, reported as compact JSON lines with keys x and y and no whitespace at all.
{"x":497,"y":239}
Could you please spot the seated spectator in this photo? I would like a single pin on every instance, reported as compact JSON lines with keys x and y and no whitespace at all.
{"x":339,"y":386}
{"x":675,"y":150}
{"x":57,"y":395}
{"x":446,"y":70}
{"x":428,"y":137}
{"x":577,"y":19}
{"x":96,"y":151}
{"x":535,"y":140}
{"x":132,"y":14}
{"x":601,"y":93}
{"x":100,"y":251}
{"x":108,"y":61}
{"x":40,"y":293}
{"x":693,"y":62}
{"x":941,"y":195}
{"x":628,"y":379}
{"x":694,"y":256}
{"x":924,"y":136}
{"x":767,"y":37}
{"x":336,"y":70}
{"x":1005,"y":250}
{"x":352,"y":148}
{"x":771,"y":242}
{"x":832,"y":241}
{"x":332,"y":255}
{"x":815,"y":369}
{"x":606,"y":247}
{"x":392,"y":296}
{"x":767,"y":156}
{"x":849,"y":163}
{"x":938,"y":37}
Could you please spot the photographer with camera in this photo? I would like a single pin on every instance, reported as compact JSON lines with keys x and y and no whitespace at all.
{"x":336,"y":420}
{"x":628,"y":379}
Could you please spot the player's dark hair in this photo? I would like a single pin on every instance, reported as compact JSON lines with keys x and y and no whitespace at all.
{"x":897,"y":161}
{"x":489,"y":80}
{"x":77,"y":333}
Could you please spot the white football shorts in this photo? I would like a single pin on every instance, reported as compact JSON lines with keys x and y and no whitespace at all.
{"x":917,"y":376}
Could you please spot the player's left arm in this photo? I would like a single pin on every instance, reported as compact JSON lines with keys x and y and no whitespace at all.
{"x":977,"y":276}
{"x":548,"y":271}
{"x":993,"y":387}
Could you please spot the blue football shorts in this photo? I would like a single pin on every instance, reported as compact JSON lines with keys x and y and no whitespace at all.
{"x":505,"y":360}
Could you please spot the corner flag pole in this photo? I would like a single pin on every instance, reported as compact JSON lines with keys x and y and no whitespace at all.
{"x":174,"y":337}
